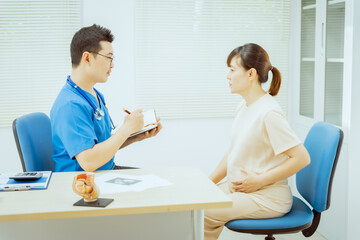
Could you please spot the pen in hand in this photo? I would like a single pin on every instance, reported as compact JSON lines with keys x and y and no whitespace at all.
{"x":126,"y":111}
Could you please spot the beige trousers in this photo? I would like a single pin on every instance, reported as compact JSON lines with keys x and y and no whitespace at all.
{"x":244,"y":206}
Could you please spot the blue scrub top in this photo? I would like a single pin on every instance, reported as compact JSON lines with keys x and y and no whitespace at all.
{"x":75,"y":129}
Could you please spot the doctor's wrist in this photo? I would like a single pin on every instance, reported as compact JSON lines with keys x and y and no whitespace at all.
{"x":125,"y":131}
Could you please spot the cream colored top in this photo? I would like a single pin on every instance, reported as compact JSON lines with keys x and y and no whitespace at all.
{"x":260,"y":135}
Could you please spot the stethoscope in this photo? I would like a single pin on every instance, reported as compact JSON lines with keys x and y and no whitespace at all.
{"x":99,"y":113}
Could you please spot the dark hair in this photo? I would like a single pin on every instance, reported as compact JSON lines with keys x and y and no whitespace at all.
{"x":254,"y":56}
{"x":88,"y":39}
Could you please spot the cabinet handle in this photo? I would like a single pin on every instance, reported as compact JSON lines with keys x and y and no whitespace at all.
{"x":322,"y":35}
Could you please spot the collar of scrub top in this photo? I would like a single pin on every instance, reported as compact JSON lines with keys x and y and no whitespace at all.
{"x":97,"y":111}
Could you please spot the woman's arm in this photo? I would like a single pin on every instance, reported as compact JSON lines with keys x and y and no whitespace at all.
{"x":298,"y":159}
{"x":220,"y":171}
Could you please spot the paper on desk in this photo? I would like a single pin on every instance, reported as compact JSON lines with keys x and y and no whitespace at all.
{"x":114,"y":183}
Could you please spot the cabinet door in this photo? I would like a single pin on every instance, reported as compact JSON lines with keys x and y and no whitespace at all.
{"x":307,"y":58}
{"x":322,"y":60}
{"x":335,"y":22}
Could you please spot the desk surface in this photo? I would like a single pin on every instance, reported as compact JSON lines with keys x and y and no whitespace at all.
{"x":191,"y":190}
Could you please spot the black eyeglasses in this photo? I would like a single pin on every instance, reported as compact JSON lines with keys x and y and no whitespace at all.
{"x":111,"y":58}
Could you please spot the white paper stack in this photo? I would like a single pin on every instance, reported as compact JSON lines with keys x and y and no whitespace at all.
{"x":114,"y":183}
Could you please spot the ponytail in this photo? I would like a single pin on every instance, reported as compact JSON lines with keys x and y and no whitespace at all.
{"x":275,"y":82}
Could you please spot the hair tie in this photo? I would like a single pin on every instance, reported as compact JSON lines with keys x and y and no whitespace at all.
{"x":271,"y":68}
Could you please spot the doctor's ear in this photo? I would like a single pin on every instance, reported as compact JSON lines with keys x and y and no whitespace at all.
{"x":85,"y":57}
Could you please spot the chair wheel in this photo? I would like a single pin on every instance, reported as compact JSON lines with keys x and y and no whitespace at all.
{"x":269,"y":238}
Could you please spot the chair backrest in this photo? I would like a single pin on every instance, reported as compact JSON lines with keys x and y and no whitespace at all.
{"x":323,"y":143}
{"x":32,"y":134}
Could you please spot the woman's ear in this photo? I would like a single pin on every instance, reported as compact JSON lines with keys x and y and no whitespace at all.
{"x":252,"y":73}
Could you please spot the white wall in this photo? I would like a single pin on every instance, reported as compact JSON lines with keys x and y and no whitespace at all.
{"x":199,"y":142}
{"x":9,"y":161}
{"x":353,"y":219}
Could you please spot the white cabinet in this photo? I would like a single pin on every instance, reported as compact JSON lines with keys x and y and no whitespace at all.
{"x":323,"y":86}
{"x":318,"y":95}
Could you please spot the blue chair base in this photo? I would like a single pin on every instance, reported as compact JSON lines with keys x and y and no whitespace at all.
{"x":299,"y":218}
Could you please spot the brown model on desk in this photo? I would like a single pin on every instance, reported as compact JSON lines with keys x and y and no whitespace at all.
{"x":84,"y":185}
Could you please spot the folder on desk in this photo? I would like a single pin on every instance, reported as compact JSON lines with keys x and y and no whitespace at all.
{"x":12,"y":185}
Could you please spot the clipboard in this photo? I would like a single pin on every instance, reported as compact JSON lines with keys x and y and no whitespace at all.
{"x":150,"y":122}
{"x":7,"y":184}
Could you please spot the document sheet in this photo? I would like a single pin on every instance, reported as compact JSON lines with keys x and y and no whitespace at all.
{"x":114,"y":183}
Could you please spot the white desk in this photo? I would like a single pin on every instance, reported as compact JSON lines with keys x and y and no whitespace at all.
{"x":171,"y":212}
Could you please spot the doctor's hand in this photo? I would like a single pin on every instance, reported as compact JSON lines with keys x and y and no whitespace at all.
{"x":134,"y":121}
{"x":149,"y":134}
{"x":251,"y":183}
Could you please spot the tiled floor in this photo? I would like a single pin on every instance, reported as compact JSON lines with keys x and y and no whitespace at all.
{"x":230,"y":235}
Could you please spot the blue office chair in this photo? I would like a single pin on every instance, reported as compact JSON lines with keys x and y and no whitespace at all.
{"x":323,"y":143}
{"x":32,"y":133}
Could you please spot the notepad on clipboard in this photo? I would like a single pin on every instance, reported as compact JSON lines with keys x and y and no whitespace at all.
{"x":150,"y":121}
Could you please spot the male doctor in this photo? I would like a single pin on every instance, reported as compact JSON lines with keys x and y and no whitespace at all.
{"x":81,"y":125}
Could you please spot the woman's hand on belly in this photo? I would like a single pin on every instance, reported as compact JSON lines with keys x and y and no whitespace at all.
{"x":250,"y":183}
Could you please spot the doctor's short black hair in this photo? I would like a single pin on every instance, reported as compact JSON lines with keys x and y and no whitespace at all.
{"x":88,"y":39}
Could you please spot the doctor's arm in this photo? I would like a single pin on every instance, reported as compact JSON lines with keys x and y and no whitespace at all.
{"x":220,"y":171}
{"x":95,"y":157}
{"x":298,"y":159}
